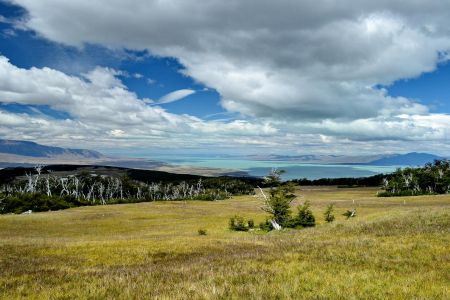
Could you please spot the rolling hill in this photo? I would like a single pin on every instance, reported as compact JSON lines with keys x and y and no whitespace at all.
{"x":32,"y":149}
{"x":409,"y":159}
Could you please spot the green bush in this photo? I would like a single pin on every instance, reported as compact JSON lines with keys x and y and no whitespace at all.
{"x":278,"y":203}
{"x":232,"y":186}
{"x":304,"y":218}
{"x":18,"y":203}
{"x":212,"y":195}
{"x":350,"y":214}
{"x":329,"y":217}
{"x":202,"y":232}
{"x":237,"y":223}
{"x":251,"y":223}
{"x":266,"y":225}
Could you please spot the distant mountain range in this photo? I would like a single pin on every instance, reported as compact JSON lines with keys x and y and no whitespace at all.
{"x":16,"y":153}
{"x":409,"y":159}
{"x":319,"y":159}
{"x":25,"y":148}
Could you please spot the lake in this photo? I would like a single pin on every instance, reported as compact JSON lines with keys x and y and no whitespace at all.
{"x":293,"y":169}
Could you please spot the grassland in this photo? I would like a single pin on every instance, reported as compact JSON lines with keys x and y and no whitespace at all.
{"x":396,"y":248}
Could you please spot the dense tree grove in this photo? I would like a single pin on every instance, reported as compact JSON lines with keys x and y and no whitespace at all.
{"x":375,"y":180}
{"x":433,"y":178}
{"x":93,"y":189}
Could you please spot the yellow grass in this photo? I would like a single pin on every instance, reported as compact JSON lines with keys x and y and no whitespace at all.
{"x":153,"y":250}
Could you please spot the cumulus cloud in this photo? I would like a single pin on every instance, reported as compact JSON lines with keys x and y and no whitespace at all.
{"x":277,"y":59}
{"x":101,"y":111}
{"x":401,"y":128}
{"x":298,"y":67}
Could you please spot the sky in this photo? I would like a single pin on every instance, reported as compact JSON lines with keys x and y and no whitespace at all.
{"x":227,"y":77}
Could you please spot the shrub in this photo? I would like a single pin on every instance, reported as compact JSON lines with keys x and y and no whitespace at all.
{"x":398,"y":194}
{"x":329,"y":217}
{"x":266,"y":226}
{"x":202,"y":232}
{"x":211,"y":195}
{"x":36,"y":202}
{"x":280,"y":198}
{"x":237,"y":223}
{"x":251,"y":223}
{"x":350,"y":214}
{"x":304,"y":218}
{"x":280,"y":206}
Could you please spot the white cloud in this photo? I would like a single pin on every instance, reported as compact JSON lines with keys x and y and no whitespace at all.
{"x":295,"y":59}
{"x":102,"y":110}
{"x":151,"y":81}
{"x":175,"y":96}
{"x":305,"y":69}
{"x":117,"y":133}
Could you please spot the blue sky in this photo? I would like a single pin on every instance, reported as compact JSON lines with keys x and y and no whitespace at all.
{"x":161,"y":75}
{"x":431,"y":88}
{"x":249,"y":86}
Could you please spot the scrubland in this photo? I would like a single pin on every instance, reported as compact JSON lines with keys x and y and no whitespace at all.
{"x":396,"y":248}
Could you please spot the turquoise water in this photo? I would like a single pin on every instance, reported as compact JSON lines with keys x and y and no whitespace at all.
{"x":293,"y":169}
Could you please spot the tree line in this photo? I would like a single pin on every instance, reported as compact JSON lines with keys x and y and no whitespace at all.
{"x":371,"y":181}
{"x":433,"y":178}
{"x":38,"y":191}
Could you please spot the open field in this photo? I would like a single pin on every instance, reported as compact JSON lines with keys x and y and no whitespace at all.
{"x":152,"y":250}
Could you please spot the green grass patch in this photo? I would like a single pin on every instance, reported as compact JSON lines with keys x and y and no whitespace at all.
{"x":392,"y":249}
